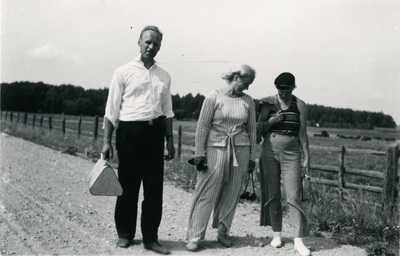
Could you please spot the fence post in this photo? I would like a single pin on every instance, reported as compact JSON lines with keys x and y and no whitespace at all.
{"x":25,"y":118}
{"x":6,"y":116}
{"x":96,"y":125}
{"x":63,"y":125}
{"x":50,"y":123}
{"x":398,"y":175}
{"x":33,"y":120}
{"x":179,"y":141}
{"x":389,"y":186}
{"x":41,"y":121}
{"x":18,"y":117}
{"x":341,"y":171}
{"x":79,"y":126}
{"x":11,"y":116}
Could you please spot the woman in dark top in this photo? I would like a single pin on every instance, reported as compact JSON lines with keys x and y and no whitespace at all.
{"x":282,"y":125}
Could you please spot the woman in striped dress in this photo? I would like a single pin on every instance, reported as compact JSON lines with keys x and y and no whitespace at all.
{"x":225,"y":140}
{"x":282,"y":124}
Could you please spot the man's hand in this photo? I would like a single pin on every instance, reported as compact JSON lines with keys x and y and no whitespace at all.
{"x":170,"y":149}
{"x":107,"y":151}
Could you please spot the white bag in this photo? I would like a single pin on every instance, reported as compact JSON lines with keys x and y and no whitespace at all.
{"x":103,"y":180}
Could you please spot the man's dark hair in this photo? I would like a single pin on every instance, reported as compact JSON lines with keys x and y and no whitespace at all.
{"x":153,"y":28}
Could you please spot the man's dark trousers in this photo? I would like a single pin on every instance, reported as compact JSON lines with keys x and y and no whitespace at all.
{"x":140,"y":147}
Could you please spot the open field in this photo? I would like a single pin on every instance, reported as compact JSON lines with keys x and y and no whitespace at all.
{"x":190,"y":126}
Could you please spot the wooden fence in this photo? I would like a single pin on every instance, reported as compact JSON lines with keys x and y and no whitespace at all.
{"x":390,"y":190}
{"x":89,"y":127}
{"x":86,"y":126}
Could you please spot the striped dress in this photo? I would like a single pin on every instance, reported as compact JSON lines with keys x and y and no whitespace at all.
{"x":226,"y":134}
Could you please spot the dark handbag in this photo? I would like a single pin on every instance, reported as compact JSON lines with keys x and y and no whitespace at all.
{"x":103,"y":180}
{"x":246,"y":194}
{"x":202,"y":166}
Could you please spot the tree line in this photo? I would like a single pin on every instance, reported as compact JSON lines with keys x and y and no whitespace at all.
{"x":74,"y":100}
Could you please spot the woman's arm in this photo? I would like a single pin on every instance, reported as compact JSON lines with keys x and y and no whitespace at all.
{"x":303,"y":137}
{"x":203,"y":125}
{"x":264,"y":123}
{"x":252,"y":130}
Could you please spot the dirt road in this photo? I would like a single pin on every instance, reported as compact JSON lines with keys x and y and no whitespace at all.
{"x":46,"y":209}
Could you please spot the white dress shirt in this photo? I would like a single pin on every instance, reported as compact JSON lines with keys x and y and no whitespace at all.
{"x":138,"y":94}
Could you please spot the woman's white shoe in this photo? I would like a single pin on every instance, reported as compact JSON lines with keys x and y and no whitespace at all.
{"x":276,"y":242}
{"x":302,"y":249}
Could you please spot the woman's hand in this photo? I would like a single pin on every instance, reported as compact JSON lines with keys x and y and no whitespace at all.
{"x":277,"y":117}
{"x":306,"y":169}
{"x":199,"y":159}
{"x":201,"y":163}
{"x":251,"y":167}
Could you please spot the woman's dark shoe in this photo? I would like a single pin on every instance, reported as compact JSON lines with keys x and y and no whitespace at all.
{"x":224,"y":240}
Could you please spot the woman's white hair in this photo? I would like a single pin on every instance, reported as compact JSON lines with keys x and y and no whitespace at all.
{"x":238,"y":70}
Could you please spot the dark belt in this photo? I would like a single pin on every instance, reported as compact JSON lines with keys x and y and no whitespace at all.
{"x":149,"y":122}
{"x":273,"y":134}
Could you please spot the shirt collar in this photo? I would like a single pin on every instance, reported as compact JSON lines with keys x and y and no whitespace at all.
{"x":137,"y":59}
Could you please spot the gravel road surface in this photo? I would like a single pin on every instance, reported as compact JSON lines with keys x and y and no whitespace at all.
{"x":46,"y":209}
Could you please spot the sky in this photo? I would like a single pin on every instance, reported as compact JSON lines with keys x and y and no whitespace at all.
{"x":344,"y":54}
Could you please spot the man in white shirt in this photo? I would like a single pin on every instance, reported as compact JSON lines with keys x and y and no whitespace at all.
{"x":139,"y":104}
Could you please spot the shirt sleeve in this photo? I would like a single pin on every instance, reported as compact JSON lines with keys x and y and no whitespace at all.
{"x":203,"y":125}
{"x":167,"y":101}
{"x":114,"y":99}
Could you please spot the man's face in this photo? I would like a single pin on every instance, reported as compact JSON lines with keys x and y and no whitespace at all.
{"x":149,"y":44}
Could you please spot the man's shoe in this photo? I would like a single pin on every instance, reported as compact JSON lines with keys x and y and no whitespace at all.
{"x":192,"y":246}
{"x":224,"y":240}
{"x":123,"y":242}
{"x":156,"y":247}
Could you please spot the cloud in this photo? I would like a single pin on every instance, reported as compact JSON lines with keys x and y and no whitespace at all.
{"x":46,"y":52}
{"x":50,"y":52}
